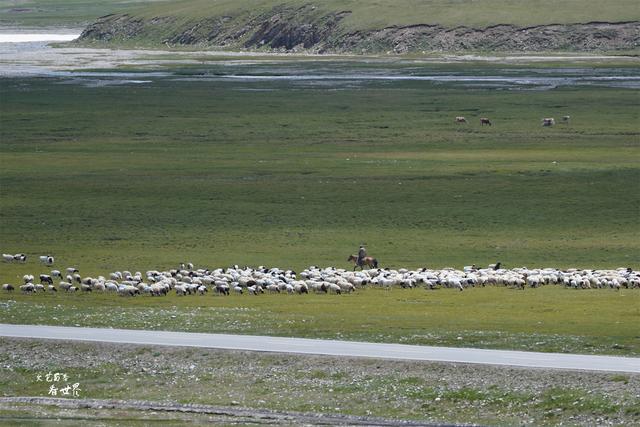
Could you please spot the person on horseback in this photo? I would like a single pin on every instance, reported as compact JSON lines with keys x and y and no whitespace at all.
{"x":362,"y":252}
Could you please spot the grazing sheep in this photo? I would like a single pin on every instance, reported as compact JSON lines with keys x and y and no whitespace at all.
{"x":8,"y":257}
{"x":128,"y":290}
{"x":301,"y":288}
{"x":45,"y":278}
{"x":8,"y":287}
{"x":52,"y":288}
{"x":273,"y":289}
{"x":222,"y":288}
{"x":64,"y":285}
{"x":334,"y":288}
{"x":46,"y":259}
{"x":254,"y":290}
{"x":28,"y":288}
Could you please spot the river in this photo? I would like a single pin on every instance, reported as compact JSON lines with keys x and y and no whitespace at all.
{"x":31,"y":54}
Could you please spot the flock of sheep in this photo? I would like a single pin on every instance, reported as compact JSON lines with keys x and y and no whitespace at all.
{"x":186,"y":280}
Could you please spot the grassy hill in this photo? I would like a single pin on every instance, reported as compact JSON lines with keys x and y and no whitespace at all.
{"x":367,"y":15}
{"x":373,"y":27}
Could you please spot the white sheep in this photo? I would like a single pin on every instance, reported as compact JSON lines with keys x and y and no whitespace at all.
{"x":47,"y":259}
{"x":28,"y":288}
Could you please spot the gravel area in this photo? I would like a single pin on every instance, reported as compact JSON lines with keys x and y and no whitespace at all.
{"x":298,"y":388}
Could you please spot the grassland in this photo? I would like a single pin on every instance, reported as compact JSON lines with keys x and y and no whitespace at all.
{"x":190,"y":167}
{"x":60,"y":13}
{"x":365,"y":14}
{"x":450,"y":13}
{"x":550,"y":319}
{"x":274,"y":173}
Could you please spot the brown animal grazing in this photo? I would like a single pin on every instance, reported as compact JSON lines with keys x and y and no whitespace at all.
{"x":370,"y":262}
{"x":485,"y":121}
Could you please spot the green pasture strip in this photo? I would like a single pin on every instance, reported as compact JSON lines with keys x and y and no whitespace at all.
{"x":367,"y":15}
{"x":61,"y":13}
{"x":550,"y":319}
{"x":364,"y":14}
{"x":269,"y":173}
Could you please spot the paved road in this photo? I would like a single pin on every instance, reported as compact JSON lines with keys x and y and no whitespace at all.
{"x":328,"y":347}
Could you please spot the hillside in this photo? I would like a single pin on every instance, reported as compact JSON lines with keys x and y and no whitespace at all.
{"x":359,"y":26}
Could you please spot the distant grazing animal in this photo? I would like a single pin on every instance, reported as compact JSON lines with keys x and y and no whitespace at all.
{"x":46,"y":259}
{"x":28,"y":288}
{"x":566,"y":119}
{"x":461,"y":119}
{"x":7,"y":257}
{"x":7,"y":287}
{"x":370,"y":262}
{"x":45,"y":278}
{"x":549,"y":121}
{"x":485,"y":121}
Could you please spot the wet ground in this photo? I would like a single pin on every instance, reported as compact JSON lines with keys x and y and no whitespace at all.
{"x":102,"y":67}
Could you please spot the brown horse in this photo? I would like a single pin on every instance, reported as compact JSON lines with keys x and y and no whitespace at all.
{"x":370,"y":262}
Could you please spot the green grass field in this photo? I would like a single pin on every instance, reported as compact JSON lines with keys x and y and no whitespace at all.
{"x":365,"y":14}
{"x":221,"y":172}
{"x":60,"y":13}
{"x":551,"y":319}
{"x":263,"y":173}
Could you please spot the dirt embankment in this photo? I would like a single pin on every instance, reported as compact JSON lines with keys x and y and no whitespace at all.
{"x":306,"y":29}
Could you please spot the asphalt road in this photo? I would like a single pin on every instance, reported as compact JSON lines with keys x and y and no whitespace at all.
{"x":328,"y":347}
